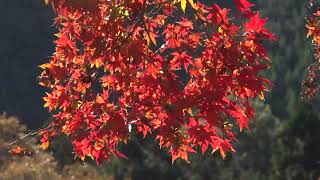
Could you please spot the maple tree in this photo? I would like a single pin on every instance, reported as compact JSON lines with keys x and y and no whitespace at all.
{"x":181,"y":71}
{"x":311,"y":82}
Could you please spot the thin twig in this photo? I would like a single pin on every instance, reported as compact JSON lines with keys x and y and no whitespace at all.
{"x":23,"y":137}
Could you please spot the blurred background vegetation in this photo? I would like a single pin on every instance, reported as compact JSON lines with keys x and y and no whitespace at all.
{"x":284,"y":142}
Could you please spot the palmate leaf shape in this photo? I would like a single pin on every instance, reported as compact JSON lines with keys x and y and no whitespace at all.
{"x":243,"y":6}
{"x":182,"y":72}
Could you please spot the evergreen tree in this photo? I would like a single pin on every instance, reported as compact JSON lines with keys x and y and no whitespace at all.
{"x":290,"y":55}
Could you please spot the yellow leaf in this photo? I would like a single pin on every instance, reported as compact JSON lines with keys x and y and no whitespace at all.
{"x":261,"y":95}
{"x":46,"y":105}
{"x":183,"y":5}
{"x":235,"y":72}
{"x":45,"y":66}
{"x":220,"y":30}
{"x":98,"y":145}
{"x":149,"y":115}
{"x":223,"y":154}
{"x":98,"y":64}
{"x":214,"y":150}
{"x":42,"y":84}
{"x":45,"y":145}
{"x":82,"y":158}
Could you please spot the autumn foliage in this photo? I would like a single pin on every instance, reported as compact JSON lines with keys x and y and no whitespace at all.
{"x":311,"y":83}
{"x":180,"y":71}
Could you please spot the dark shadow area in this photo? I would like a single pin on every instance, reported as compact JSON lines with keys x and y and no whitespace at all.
{"x":26,"y":37}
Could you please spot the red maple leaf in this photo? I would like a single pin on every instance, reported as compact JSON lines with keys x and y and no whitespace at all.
{"x":149,"y":66}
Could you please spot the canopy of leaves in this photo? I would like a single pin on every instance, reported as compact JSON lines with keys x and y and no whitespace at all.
{"x":182,"y":71}
{"x":311,"y":83}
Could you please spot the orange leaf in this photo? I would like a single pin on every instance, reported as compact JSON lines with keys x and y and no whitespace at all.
{"x":18,"y":151}
{"x":100,"y":100}
{"x":45,"y":145}
{"x":153,"y":37}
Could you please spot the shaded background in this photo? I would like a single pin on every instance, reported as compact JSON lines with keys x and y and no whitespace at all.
{"x":26,"y":37}
{"x":285,"y":138}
